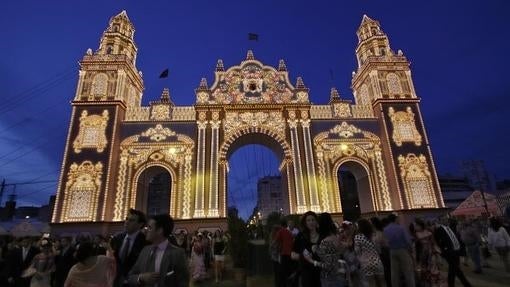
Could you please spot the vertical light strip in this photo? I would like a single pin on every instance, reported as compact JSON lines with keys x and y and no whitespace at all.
{"x":109,"y":170}
{"x":81,"y":75}
{"x":298,"y":177}
{"x":310,"y":167}
{"x":60,"y":191}
{"x":213,"y":191}
{"x":200,"y":176}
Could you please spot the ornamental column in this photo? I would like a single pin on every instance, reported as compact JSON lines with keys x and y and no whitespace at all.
{"x":200,"y":171}
{"x":213,"y":182}
{"x":310,"y":165}
{"x":296,"y":158}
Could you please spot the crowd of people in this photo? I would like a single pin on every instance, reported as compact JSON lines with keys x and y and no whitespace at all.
{"x":382,"y":251}
{"x":146,"y":253}
{"x":320,"y":252}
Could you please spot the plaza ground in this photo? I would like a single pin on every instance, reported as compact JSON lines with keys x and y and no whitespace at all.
{"x":495,"y":276}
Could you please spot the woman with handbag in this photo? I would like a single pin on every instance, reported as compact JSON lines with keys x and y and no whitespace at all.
{"x":500,"y":240}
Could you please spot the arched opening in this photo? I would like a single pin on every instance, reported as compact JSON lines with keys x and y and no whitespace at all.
{"x":255,"y":186}
{"x":354,"y":186}
{"x":153,"y":191}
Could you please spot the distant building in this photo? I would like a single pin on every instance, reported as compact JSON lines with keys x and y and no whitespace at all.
{"x":270,"y":196}
{"x":455,"y":190}
{"x":477,"y":175}
{"x":41,"y":213}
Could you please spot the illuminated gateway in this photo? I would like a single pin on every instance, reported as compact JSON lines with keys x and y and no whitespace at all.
{"x":167,"y":158}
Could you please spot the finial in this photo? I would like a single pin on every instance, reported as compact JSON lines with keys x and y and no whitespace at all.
{"x":140,"y":74}
{"x":89,"y":51}
{"x":282,"y":66}
{"x":353,"y":74}
{"x":334,"y":95}
{"x":249,"y":55}
{"x":300,"y":84}
{"x":219,"y":66}
{"x":165,"y":96}
{"x":400,"y":53}
{"x":203,"y":84}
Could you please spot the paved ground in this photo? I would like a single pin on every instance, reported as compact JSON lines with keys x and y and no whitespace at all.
{"x":491,"y":277}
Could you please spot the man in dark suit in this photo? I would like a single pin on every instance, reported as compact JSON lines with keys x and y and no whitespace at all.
{"x":450,"y":246}
{"x":160,"y":263}
{"x":20,"y":259}
{"x":64,"y":260}
{"x":128,"y":245}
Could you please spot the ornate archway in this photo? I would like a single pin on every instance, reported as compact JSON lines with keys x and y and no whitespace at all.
{"x":360,"y":189}
{"x":158,"y":146}
{"x":144,"y":185}
{"x":264,"y":137}
{"x":345,"y":143}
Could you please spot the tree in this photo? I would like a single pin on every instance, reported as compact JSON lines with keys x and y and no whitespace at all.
{"x":238,"y":243}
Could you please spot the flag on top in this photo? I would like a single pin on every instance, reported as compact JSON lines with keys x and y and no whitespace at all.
{"x":164,"y":74}
{"x":253,"y":37}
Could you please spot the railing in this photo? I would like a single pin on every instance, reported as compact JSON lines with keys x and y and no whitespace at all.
{"x":137,"y":114}
{"x":134,"y":114}
{"x":183,"y":113}
{"x":320,"y":112}
{"x":359,"y":111}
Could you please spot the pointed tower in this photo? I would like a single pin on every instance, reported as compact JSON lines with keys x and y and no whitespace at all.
{"x":109,"y":89}
{"x":118,"y":37}
{"x":110,"y":74}
{"x":383,"y":89}
{"x":381,"y":73}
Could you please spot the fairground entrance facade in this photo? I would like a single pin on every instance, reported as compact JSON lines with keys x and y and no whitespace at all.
{"x":342,"y":157}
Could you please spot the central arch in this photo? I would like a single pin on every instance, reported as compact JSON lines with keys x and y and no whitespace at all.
{"x":154,"y":189}
{"x":261,"y":136}
{"x":354,"y":183}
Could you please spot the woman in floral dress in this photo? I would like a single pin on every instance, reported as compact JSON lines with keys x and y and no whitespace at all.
{"x":370,"y":263}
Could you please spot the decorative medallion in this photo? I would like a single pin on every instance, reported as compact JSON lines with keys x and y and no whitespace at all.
{"x":341,"y":110}
{"x":160,"y":112}
{"x":158,"y":133}
{"x":272,"y":120}
{"x":344,"y":130}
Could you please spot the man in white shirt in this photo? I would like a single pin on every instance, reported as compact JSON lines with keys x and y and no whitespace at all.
{"x":160,"y":264}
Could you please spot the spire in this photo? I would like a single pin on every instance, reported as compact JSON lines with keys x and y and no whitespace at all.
{"x":334,"y":95}
{"x":372,"y":42}
{"x":365,"y":20}
{"x":118,"y":38}
{"x":219,"y":66}
{"x":249,"y":55}
{"x":300,"y":84}
{"x":369,"y":28}
{"x":165,"y":96}
{"x":203,"y":85}
{"x":281,"y":66}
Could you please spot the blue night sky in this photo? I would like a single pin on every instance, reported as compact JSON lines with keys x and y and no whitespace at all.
{"x":458,"y":51}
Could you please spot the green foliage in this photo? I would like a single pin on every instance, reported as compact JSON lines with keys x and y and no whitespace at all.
{"x":238,"y":243}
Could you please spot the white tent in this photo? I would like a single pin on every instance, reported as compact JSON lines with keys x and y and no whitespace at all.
{"x":474,"y":205}
{"x":24,"y":228}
